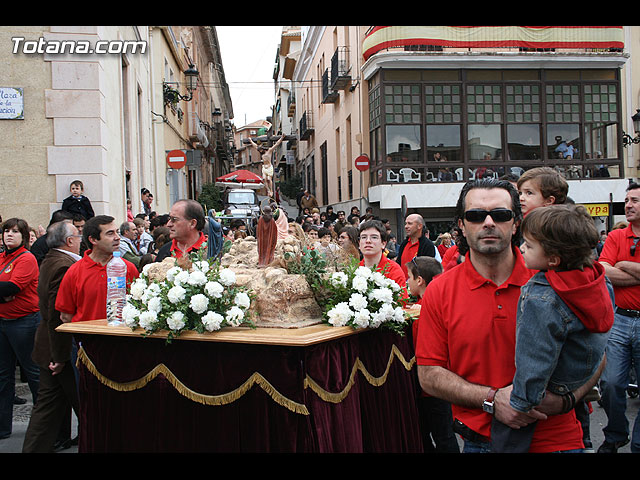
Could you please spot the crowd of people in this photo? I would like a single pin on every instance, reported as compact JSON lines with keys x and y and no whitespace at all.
{"x":508,"y":359}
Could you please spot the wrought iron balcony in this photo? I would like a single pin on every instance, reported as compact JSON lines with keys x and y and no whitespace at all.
{"x":340,"y":70}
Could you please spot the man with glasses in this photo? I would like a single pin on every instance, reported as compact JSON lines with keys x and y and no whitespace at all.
{"x":373,"y":240}
{"x":465,"y":347}
{"x":186,"y":224}
{"x":621,"y":260}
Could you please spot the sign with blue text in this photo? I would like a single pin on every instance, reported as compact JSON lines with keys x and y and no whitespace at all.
{"x":11,"y":103}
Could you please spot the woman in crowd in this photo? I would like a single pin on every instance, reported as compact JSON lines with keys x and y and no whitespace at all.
{"x":19,"y":316}
{"x":348,"y":240}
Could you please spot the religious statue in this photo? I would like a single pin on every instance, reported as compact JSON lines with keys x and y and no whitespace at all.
{"x":267,"y":167}
{"x":267,"y":237}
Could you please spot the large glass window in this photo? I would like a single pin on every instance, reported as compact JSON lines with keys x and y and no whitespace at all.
{"x":403,"y":143}
{"x":443,"y":143}
{"x":484,"y":143}
{"x":523,"y":142}
{"x":563,"y":141}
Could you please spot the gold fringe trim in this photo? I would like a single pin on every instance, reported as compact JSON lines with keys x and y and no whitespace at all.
{"x":359,"y":366}
{"x":254,"y":379}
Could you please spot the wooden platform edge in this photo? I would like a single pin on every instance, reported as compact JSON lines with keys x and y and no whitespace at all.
{"x":301,"y":337}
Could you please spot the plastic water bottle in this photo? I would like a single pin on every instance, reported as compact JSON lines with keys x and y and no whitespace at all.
{"x":116,"y":289}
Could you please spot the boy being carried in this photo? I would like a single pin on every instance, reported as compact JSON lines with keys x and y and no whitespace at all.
{"x":565,"y":312}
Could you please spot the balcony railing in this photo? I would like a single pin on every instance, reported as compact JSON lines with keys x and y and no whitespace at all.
{"x":329,"y":95}
{"x":306,"y":126}
{"x":340,"y":70}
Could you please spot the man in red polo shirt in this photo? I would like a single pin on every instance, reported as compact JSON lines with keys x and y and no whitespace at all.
{"x":465,"y":347}
{"x":82,"y":294}
{"x":186,"y":223}
{"x":621,"y":260}
{"x":373,"y":240}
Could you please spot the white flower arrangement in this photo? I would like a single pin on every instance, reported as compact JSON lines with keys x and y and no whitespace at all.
{"x":203,"y":298}
{"x":363,"y":298}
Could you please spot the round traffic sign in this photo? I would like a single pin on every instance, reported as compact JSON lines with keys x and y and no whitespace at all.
{"x":362,"y":163}
{"x":176,"y":159}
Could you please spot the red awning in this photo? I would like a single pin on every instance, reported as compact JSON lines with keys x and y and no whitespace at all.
{"x":240,"y":177}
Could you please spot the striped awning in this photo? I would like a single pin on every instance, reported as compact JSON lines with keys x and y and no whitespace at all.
{"x":380,"y":38}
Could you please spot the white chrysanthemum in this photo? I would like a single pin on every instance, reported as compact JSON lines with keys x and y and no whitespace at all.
{"x":383,"y":295}
{"x":130,"y":315}
{"x":202,"y":265}
{"x":398,"y":315}
{"x":181,"y":277}
{"x":214,"y":289}
{"x":379,"y":279}
{"x":176,"y":321}
{"x":197,"y":278}
{"x":340,"y":314}
{"x":376,"y":320}
{"x":364,"y":272}
{"x":394,"y":286}
{"x":358,"y":301}
{"x":199,"y":303}
{"x":235,"y":316}
{"x":242,"y":300}
{"x":361,"y":319}
{"x":386,"y":312}
{"x":137,"y":289}
{"x":145,"y":269}
{"x":176,"y":294}
{"x":147,"y":319}
{"x":153,"y":289}
{"x":227,"y":277}
{"x":172,"y":272}
{"x":360,"y":284}
{"x":155,"y":304}
{"x":212,"y":321}
{"x":339,"y":279}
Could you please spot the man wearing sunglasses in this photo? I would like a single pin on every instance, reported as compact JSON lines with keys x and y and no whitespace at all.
{"x":465,"y":346}
{"x":621,"y":260}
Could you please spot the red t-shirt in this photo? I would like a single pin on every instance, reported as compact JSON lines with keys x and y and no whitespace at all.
{"x":450,"y":258}
{"x":410,"y":250}
{"x":83,"y":290}
{"x":617,"y":248}
{"x":23,"y":272}
{"x":467,"y":325}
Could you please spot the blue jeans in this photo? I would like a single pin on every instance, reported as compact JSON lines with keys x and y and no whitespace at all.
{"x":16,"y":343}
{"x":623,"y":347}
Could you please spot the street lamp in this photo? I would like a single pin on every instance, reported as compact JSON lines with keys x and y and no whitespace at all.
{"x":627,"y":139}
{"x":172,"y":96}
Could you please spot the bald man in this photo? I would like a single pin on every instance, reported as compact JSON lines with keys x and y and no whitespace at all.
{"x":416,"y":243}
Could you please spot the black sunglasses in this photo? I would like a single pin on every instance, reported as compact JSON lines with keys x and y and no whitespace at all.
{"x":497,"y":214}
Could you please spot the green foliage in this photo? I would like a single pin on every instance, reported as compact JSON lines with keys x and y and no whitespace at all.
{"x":291,"y":186}
{"x":211,"y":197}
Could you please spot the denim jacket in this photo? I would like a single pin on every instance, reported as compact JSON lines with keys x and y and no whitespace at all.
{"x":554,"y":349}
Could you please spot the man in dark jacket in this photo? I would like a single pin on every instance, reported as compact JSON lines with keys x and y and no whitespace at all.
{"x":52,"y":350}
{"x":416,"y":243}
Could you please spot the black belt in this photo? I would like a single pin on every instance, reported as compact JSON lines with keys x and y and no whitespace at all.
{"x":468,"y":434}
{"x":628,"y":313}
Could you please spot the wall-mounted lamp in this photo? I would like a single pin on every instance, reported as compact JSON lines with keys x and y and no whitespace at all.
{"x":627,"y":139}
{"x":172,"y":96}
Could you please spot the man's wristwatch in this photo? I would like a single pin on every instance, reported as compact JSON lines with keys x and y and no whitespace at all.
{"x":487,"y":405}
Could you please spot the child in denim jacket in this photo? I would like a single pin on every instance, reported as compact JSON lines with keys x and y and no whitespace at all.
{"x":565,"y":312}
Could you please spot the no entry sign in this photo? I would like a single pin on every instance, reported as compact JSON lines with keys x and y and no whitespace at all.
{"x":362,"y":163}
{"x":176,"y":159}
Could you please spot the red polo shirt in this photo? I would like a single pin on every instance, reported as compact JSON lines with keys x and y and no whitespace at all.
{"x":177,"y":253}
{"x":83,"y":290}
{"x":410,"y":251}
{"x":467,"y":325}
{"x":617,"y":248}
{"x":23,"y":272}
